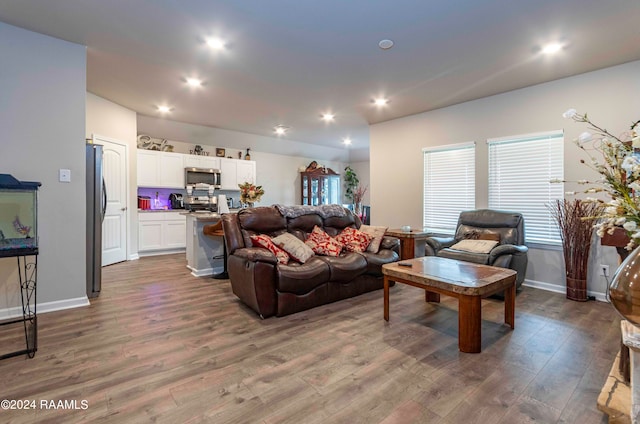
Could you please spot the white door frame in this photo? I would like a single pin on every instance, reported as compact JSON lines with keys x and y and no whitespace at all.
{"x":95,"y":137}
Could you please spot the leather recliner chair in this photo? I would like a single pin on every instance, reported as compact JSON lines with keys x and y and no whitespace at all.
{"x":505,"y":227}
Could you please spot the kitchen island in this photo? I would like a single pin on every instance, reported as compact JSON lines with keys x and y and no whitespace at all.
{"x":205,"y":254}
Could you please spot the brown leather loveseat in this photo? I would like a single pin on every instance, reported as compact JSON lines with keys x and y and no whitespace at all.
{"x":271,"y":288}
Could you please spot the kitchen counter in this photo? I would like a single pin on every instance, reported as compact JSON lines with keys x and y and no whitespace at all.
{"x":206,"y":215}
{"x":204,"y":253}
{"x":160,"y":210}
{"x":203,"y":216}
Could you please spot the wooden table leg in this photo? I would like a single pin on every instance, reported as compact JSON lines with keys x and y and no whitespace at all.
{"x":386,"y":298}
{"x":469,"y":324}
{"x":510,"y":306}
{"x":407,"y":248}
{"x":431,"y":297}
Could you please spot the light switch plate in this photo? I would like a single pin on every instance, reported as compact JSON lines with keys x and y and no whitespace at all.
{"x":64,"y":175}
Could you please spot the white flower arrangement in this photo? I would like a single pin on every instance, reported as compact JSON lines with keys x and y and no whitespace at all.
{"x":620,"y":175}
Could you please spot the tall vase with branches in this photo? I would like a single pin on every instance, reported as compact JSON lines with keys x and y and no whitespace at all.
{"x":358,"y":195}
{"x":575,"y":221}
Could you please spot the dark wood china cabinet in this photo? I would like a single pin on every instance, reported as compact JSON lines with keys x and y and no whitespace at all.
{"x":320,"y":186}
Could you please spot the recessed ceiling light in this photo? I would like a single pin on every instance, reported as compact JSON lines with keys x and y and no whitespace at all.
{"x":194,"y":82}
{"x":346,"y":141}
{"x":381,"y":101}
{"x":385,"y":44}
{"x":328,"y":117}
{"x":280,"y":129}
{"x":164,"y":109}
{"x":216,"y":43}
{"x":552,"y":48}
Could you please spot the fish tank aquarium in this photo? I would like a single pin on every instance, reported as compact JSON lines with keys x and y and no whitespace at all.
{"x":18,"y":217}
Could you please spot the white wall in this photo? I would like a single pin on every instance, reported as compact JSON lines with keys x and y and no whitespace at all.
{"x":610,"y":97}
{"x":108,"y":119}
{"x":42,"y":116}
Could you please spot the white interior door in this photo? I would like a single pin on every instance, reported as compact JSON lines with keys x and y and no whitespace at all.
{"x":114,"y":226}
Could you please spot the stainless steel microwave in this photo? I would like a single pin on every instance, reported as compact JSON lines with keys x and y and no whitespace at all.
{"x":201,"y":177}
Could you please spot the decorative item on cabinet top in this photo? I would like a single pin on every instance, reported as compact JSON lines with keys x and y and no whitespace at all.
{"x":199,"y":151}
{"x":149,"y":143}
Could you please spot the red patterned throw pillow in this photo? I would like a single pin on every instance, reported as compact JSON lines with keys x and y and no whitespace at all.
{"x":354,"y":240}
{"x":263,"y":240}
{"x":322,"y":244}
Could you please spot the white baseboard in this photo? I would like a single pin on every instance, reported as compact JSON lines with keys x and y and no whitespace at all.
{"x":161,"y":252}
{"x":43,"y":308}
{"x":205,"y":272}
{"x":559,"y":289}
{"x":134,"y":257}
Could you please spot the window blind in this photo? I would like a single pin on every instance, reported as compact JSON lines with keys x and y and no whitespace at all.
{"x":449,"y":185}
{"x":520,"y":168}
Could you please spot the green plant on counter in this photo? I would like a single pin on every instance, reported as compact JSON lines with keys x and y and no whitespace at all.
{"x":351,"y":181}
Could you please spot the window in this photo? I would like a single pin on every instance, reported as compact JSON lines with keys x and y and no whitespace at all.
{"x":520,"y":168}
{"x":449,"y":185}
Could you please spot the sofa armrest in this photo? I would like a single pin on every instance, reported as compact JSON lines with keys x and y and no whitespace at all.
{"x":252,"y":272}
{"x":390,"y":243}
{"x":232,"y":235}
{"x":507,"y":249}
{"x":513,"y":257}
{"x":256,"y":254}
{"x":434,"y":244}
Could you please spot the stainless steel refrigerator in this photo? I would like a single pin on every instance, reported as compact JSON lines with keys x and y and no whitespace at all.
{"x":96,"y":208}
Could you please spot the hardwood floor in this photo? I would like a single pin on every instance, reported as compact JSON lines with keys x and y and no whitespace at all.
{"x":161,"y":345}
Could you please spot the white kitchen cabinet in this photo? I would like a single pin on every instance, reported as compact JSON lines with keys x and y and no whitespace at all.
{"x":204,"y":162}
{"x":234,"y":172}
{"x":228,"y":174}
{"x":171,"y":170}
{"x":148,"y":162}
{"x":160,"y":169}
{"x":174,"y":233}
{"x":149,"y":236}
{"x":166,"y":169}
{"x":161,"y":232}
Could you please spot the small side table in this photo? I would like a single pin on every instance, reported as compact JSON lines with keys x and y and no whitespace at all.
{"x":408,"y":240}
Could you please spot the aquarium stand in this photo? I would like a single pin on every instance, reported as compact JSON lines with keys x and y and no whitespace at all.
{"x":27,"y":275}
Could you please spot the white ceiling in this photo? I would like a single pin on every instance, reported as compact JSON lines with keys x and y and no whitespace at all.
{"x":287,"y":61}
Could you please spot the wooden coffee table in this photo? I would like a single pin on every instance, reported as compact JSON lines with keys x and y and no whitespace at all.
{"x":466,"y":281}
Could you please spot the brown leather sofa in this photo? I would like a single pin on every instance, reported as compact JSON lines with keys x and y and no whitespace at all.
{"x":270,"y":288}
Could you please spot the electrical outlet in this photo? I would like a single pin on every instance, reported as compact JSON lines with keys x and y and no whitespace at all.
{"x":604,"y":270}
{"x":64,"y":175}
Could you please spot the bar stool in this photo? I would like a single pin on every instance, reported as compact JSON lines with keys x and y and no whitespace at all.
{"x":215,"y":230}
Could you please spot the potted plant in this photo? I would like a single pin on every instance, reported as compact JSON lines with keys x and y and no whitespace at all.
{"x":250,"y":193}
{"x":575,"y":221}
{"x":351,"y":182}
